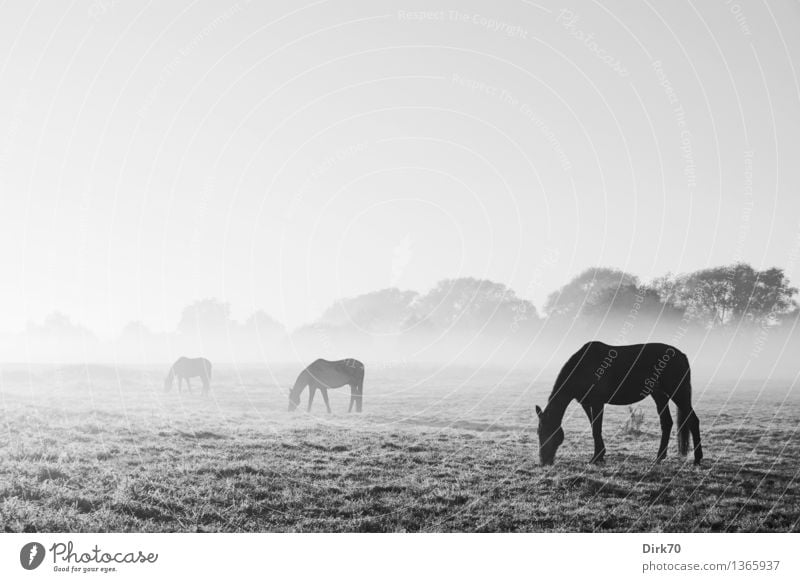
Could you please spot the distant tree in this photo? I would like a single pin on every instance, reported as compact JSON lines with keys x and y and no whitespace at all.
{"x":263,"y":324}
{"x":630,"y":299}
{"x":59,"y":326}
{"x":587,"y":290}
{"x":387,"y":310}
{"x":735,"y":293}
{"x":206,"y":316}
{"x":134,"y":330}
{"x":474,"y":304}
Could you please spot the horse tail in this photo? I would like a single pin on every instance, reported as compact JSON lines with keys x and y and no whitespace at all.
{"x":684,"y":410}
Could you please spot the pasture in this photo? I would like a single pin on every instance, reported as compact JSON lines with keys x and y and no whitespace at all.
{"x":105,"y":449}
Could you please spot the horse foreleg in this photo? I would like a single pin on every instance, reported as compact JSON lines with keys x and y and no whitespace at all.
{"x":311,"y":391}
{"x":325,"y":398}
{"x":595,"y":414}
{"x":664,"y":415}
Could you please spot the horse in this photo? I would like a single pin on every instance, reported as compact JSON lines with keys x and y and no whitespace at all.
{"x":322,"y":375}
{"x":600,"y":374}
{"x":185,"y":368}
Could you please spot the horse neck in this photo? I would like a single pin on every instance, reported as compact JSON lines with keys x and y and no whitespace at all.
{"x":557,"y":404}
{"x":171,"y":374}
{"x":301,"y":382}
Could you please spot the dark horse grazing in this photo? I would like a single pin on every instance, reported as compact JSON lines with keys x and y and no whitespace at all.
{"x":185,"y":368}
{"x":322,"y":375}
{"x":600,"y":374}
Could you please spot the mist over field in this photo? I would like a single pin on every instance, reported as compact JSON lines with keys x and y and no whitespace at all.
{"x":733,"y":322}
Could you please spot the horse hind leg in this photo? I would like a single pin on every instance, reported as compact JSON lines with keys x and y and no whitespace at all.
{"x":688,"y":424}
{"x":693,"y":424}
{"x":664,"y":415}
{"x":356,"y":397}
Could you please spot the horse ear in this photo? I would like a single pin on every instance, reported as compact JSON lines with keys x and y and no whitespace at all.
{"x":538,"y":410}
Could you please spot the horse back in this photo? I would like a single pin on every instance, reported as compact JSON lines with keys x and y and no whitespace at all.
{"x":192,"y":367}
{"x":625,"y":374}
{"x":337,"y":373}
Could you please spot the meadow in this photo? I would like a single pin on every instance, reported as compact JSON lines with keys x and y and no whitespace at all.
{"x":88,"y":449}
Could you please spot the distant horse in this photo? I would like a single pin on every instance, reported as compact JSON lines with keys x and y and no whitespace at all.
{"x":185,"y":368}
{"x":600,"y":374}
{"x":322,"y":375}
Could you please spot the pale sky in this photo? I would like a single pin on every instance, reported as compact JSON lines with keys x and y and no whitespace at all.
{"x":279,"y":157}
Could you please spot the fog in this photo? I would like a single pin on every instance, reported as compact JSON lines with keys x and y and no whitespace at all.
{"x":459,"y":323}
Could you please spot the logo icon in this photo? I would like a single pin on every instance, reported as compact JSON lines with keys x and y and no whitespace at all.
{"x":31,"y":555}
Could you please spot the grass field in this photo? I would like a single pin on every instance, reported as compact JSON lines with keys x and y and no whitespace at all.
{"x":100,"y":449}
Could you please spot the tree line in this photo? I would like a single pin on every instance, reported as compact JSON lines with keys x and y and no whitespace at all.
{"x":714,"y":298}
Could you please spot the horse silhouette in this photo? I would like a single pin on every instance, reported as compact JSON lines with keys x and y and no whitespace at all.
{"x":185,"y":368}
{"x":322,"y":375}
{"x":599,"y":374}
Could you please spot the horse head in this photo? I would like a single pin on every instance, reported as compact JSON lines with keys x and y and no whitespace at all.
{"x":551,"y":435}
{"x":294,"y":400}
